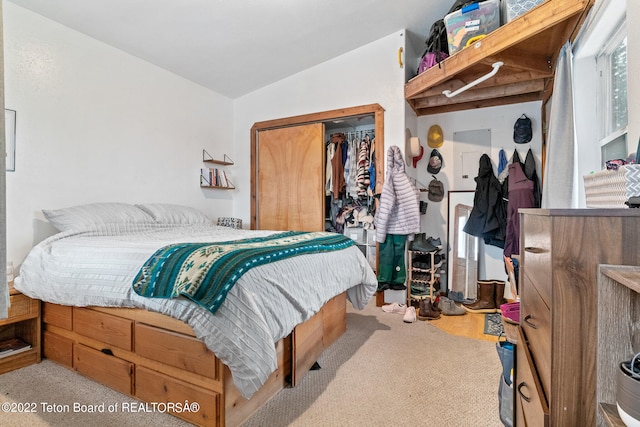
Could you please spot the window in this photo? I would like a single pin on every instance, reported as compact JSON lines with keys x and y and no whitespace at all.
{"x":612,"y":70}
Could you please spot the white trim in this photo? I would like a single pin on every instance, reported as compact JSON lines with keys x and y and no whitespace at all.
{"x":604,"y":17}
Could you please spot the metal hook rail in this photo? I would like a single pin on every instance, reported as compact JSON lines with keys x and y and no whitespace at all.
{"x":496,"y":66}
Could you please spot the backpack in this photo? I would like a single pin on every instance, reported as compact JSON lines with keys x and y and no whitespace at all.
{"x":522,"y":130}
{"x":437,"y":46}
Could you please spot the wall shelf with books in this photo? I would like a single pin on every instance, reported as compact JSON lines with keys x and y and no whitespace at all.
{"x":215,"y":177}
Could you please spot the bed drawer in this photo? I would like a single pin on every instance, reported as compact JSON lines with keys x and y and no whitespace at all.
{"x":175,"y":349}
{"x":103,"y":327}
{"x":106,"y":369}
{"x":152,"y":386}
{"x":334,"y":319}
{"x":58,"y":315}
{"x":57,"y":348}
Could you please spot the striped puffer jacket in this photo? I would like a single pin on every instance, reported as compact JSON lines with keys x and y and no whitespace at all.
{"x":399,"y":209}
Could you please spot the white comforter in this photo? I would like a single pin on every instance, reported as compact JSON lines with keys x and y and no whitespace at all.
{"x":96,"y":268}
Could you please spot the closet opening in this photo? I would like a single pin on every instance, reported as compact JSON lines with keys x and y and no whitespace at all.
{"x":294,"y":161}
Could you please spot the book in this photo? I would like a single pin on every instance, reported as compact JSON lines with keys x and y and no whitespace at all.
{"x":13,"y":346}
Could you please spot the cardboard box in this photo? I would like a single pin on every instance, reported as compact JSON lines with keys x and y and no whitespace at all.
{"x":478,"y":19}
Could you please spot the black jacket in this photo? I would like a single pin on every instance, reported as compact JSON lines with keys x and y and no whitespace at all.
{"x":487,"y":219}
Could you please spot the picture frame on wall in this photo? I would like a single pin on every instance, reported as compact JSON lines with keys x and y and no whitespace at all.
{"x":10,"y":139}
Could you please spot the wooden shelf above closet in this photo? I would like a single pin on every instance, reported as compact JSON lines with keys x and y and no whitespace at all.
{"x":528,"y":46}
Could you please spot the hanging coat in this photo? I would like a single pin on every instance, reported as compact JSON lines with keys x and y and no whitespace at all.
{"x":521,"y":195}
{"x":399,"y":208}
{"x":483,"y":221}
{"x":524,"y":192}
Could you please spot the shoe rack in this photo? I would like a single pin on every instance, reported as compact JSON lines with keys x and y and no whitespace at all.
{"x":420,"y":280}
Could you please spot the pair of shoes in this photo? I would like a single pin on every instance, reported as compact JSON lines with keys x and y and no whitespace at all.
{"x":511,"y":312}
{"x":409,"y":315}
{"x":436,"y":304}
{"x":420,"y":244}
{"x":435,"y":241}
{"x":394,"y":308}
{"x":456,"y":296}
{"x":450,"y":308}
{"x":426,"y":311}
{"x":424,"y":262}
{"x":490,"y":297}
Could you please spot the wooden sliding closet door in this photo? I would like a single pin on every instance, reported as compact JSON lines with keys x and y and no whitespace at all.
{"x":290,"y":178}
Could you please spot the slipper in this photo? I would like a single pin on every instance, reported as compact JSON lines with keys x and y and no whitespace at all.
{"x":394,"y":308}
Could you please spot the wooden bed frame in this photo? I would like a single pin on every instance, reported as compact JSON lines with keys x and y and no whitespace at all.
{"x":156,"y":358}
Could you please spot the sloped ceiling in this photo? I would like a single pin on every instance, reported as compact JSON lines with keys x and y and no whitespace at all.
{"x":237,"y":46}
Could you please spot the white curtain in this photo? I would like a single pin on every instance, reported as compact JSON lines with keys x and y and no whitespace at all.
{"x":4,"y":289}
{"x":560,"y":171}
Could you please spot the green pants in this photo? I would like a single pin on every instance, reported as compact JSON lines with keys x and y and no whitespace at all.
{"x":391,"y":265}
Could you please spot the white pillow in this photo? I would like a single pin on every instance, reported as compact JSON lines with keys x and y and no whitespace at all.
{"x":85,"y":216}
{"x":167,"y":213}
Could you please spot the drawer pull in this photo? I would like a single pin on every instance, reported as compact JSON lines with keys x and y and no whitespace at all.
{"x":526,"y":398}
{"x":535,"y":250}
{"x":107,"y":351}
{"x":526,"y":320}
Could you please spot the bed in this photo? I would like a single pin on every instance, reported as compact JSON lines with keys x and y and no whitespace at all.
{"x":266,"y":333}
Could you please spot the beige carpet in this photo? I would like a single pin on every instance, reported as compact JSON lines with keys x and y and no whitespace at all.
{"x":381,"y":372}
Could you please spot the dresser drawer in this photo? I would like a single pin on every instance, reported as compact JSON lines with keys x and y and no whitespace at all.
{"x":535,"y":256}
{"x":175,"y":349}
{"x":152,"y":386}
{"x":536,"y":327}
{"x":531,"y":406}
{"x":106,"y":369}
{"x":103,"y":327}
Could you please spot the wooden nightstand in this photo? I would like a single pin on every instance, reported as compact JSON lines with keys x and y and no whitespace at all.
{"x":23,"y":323}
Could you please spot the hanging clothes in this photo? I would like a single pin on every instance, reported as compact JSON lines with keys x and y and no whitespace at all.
{"x":392,"y":272}
{"x":483,"y":220}
{"x":337,"y":166}
{"x":502,"y":162}
{"x":331,"y":148}
{"x":522,"y":194}
{"x":351,"y":165}
{"x":362,"y":176}
{"x":397,"y":219}
{"x":399,"y":209}
{"x":372,"y":169}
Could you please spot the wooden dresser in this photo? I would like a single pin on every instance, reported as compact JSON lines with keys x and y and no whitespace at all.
{"x":556,"y":356}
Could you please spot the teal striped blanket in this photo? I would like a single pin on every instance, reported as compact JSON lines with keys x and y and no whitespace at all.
{"x":205,"y":272}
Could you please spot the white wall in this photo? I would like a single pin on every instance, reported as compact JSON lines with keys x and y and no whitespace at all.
{"x":96,"y":124}
{"x":367,"y":75}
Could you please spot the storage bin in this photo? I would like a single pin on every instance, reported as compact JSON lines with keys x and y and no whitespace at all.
{"x":371,"y":237}
{"x":515,"y":8}
{"x":371,"y":256}
{"x":356,"y":234}
{"x":475,"y":20}
{"x":611,"y":188}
